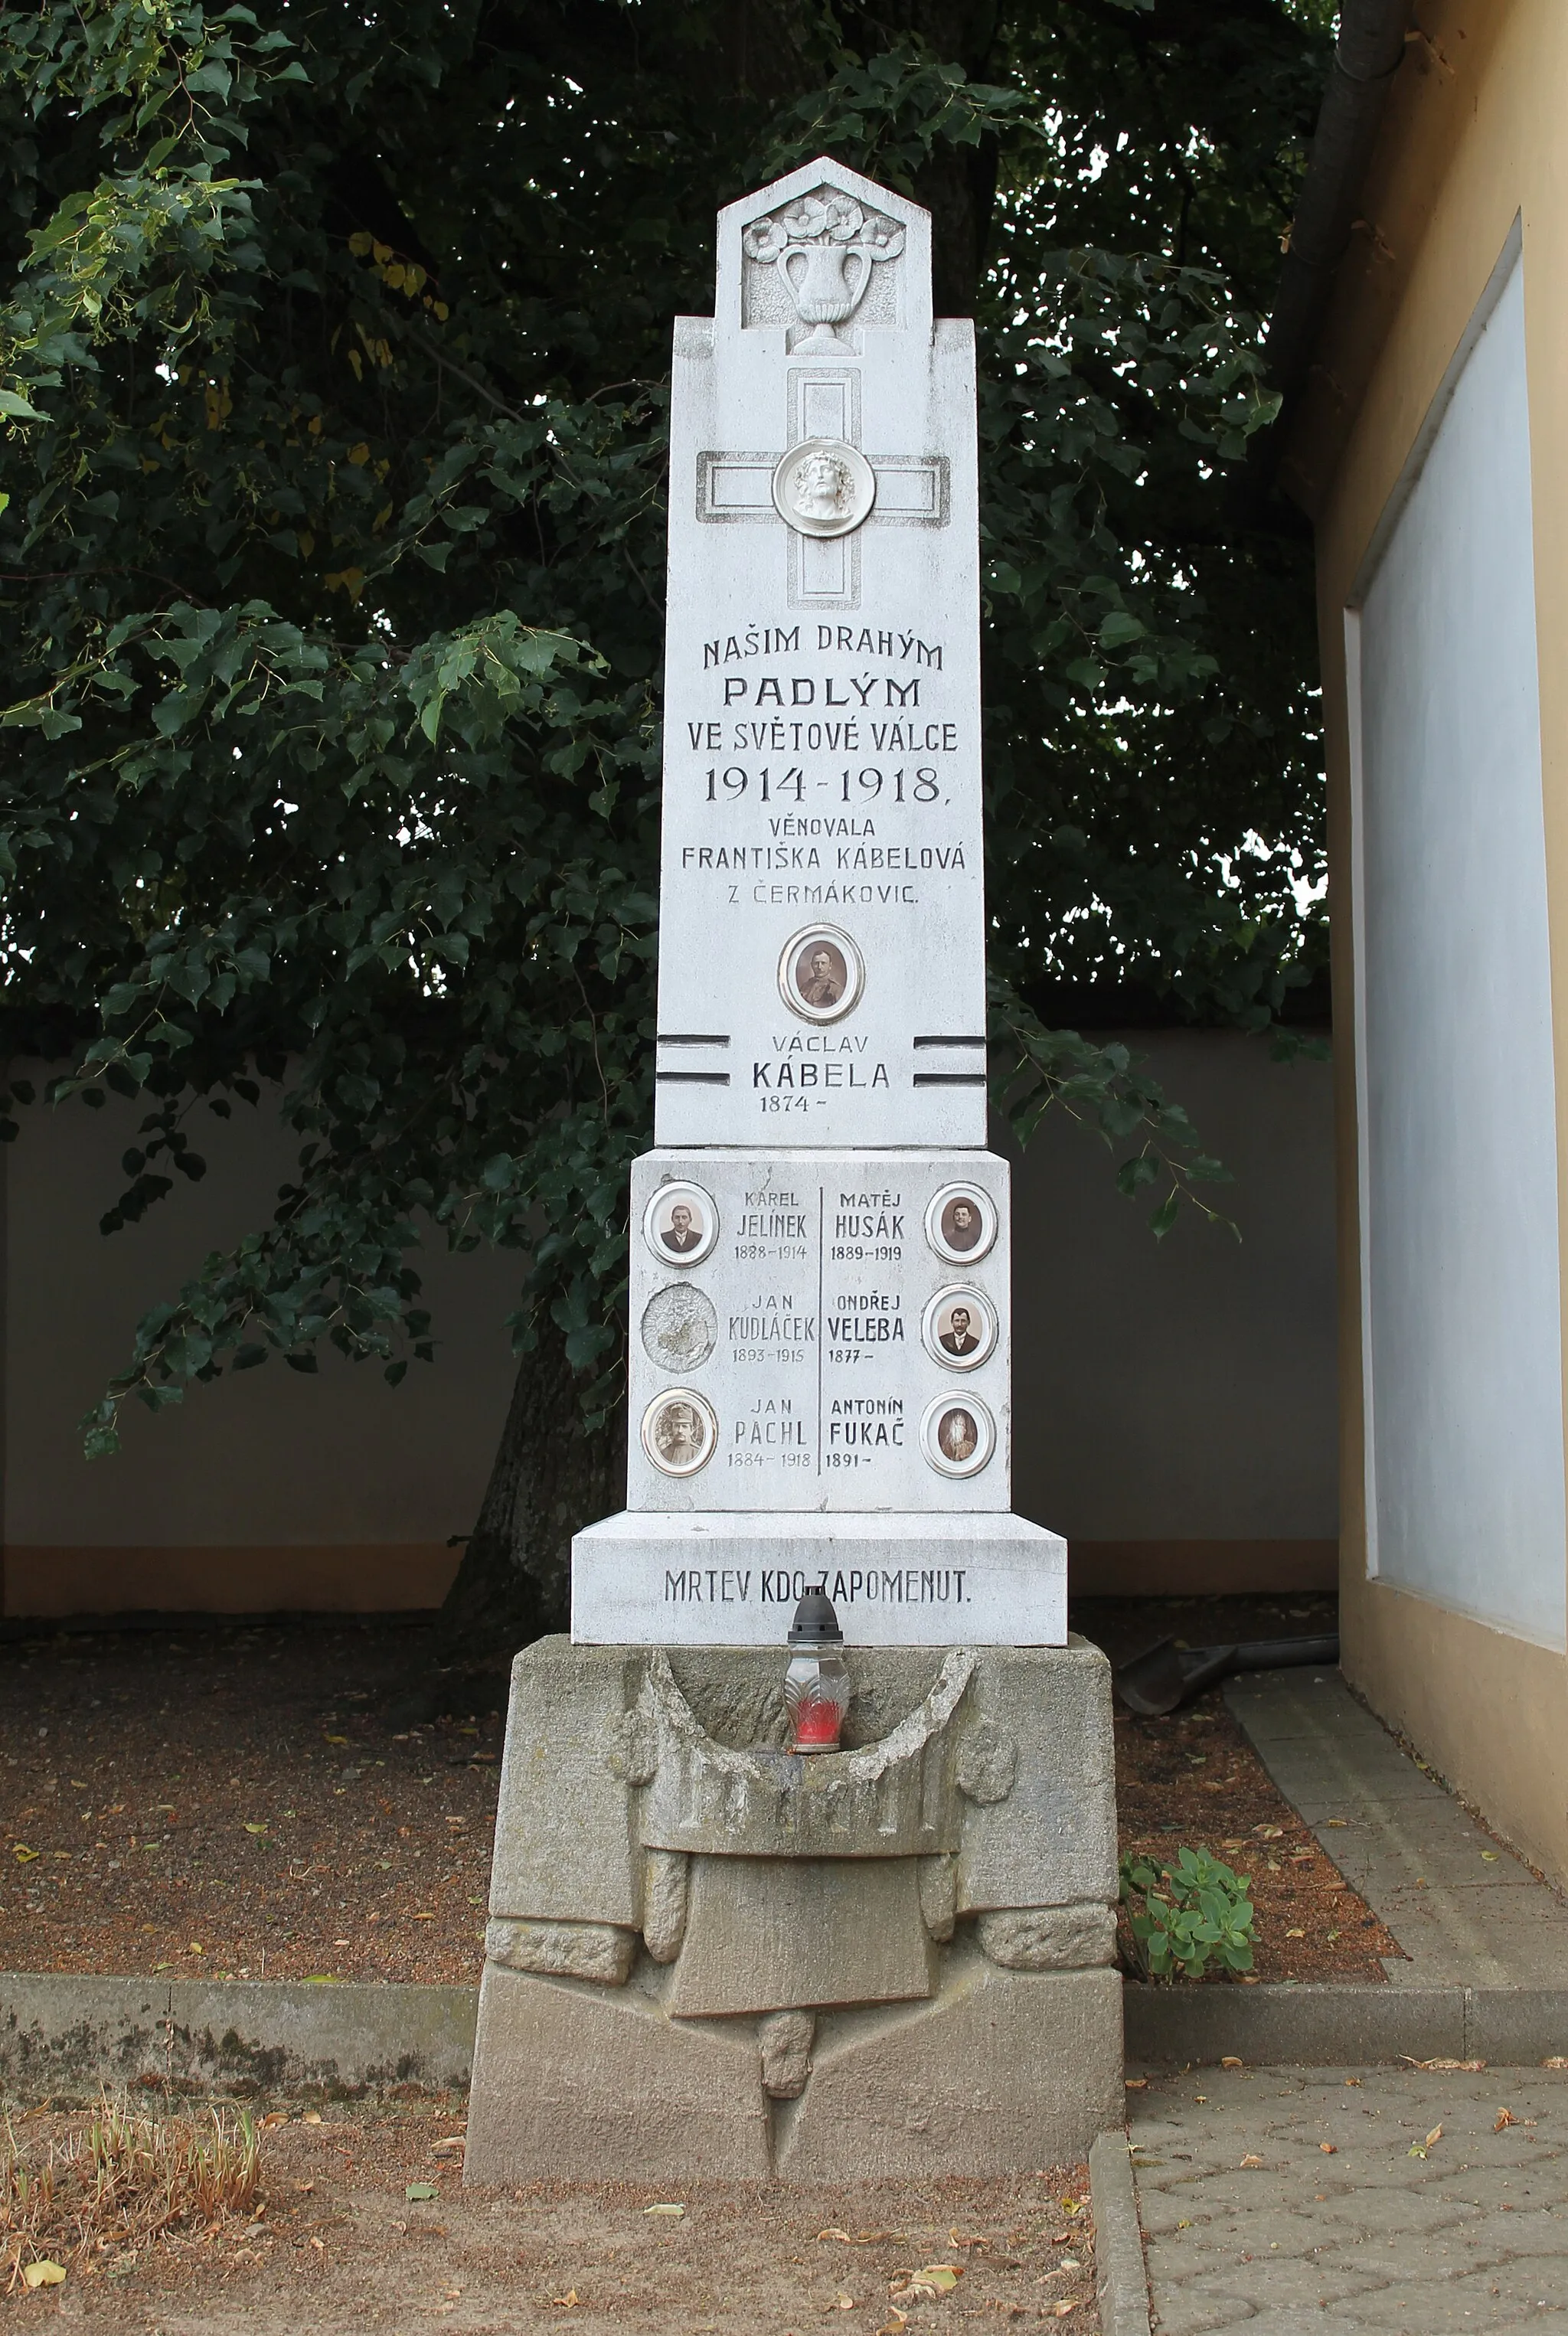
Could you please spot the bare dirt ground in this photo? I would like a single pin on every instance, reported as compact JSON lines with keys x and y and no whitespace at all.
{"x":1193,"y":1777}
{"x":338,"y":2243}
{"x":234,"y":1801}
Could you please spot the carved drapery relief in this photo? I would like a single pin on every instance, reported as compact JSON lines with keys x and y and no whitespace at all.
{"x":1050,"y":1938}
{"x":785,"y":2041}
{"x":819,"y":264}
{"x":664,"y":1897}
{"x":600,"y":1952}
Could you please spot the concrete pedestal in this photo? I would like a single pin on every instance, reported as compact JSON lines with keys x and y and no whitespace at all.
{"x":707,"y":1956}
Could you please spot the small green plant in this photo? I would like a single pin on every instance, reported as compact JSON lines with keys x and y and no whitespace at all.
{"x":1185,"y":1916}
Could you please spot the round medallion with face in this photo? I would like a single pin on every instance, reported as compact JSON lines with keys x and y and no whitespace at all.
{"x":958,"y":1434}
{"x":680,"y":1432}
{"x":824,"y":487}
{"x":680,"y":1224}
{"x":821,"y":974}
{"x":958,"y":1328}
{"x":961,"y":1223}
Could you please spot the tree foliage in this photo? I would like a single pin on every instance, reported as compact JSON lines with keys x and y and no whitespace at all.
{"x":334,"y":355}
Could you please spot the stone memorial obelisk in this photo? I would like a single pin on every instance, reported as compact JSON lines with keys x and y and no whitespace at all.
{"x":707,"y":1954}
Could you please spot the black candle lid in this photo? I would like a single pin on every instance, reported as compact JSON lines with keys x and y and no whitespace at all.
{"x":816,"y":1624}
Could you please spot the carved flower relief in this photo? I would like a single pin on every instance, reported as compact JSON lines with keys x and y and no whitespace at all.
{"x":825,"y":218}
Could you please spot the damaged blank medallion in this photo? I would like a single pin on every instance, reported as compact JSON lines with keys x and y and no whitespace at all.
{"x":679,"y":1327}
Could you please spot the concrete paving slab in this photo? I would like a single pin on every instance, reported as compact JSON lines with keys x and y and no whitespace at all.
{"x":65,"y":2036}
{"x":1462,"y":1907}
{"x":61,"y":2034}
{"x":1316,"y":2026}
{"x":1428,"y":2246}
{"x":1511,"y":2027}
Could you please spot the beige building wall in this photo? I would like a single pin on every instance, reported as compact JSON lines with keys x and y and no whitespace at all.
{"x":1473,"y":143}
{"x":266,"y":1490}
{"x":1175,"y":1401}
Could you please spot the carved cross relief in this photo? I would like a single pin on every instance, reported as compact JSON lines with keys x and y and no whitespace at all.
{"x":823,"y":255}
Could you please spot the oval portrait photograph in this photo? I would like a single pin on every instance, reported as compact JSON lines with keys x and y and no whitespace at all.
{"x":680,"y":1223}
{"x":824,"y":487}
{"x":961,"y":1223}
{"x":680,"y":1432}
{"x":679,"y":1327}
{"x":960,"y":1328}
{"x":821,"y":974}
{"x":958,"y":1434}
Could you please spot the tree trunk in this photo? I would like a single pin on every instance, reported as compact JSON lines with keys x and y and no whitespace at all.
{"x":550,"y":1477}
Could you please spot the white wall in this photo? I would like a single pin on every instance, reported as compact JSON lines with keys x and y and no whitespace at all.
{"x":1458,"y":1150}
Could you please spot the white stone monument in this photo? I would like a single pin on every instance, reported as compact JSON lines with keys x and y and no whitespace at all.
{"x":707,"y":1954}
{"x":820,"y":1371}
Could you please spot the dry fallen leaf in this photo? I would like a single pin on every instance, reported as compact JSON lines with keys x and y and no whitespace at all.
{"x":1295,"y":1934}
{"x":1504,"y":2117}
{"x":672,"y":2210}
{"x":1060,"y":2310}
{"x":1231,"y":2061}
{"x":1135,"y":2084}
{"x":844,"y":2303}
{"x":1434,"y":2136}
{"x":935,"y":2279}
{"x":1252,"y":2161}
{"x":1329,"y":2148}
{"x":44,"y":2274}
{"x":842,"y":2237}
{"x":570,"y":2300}
{"x":895,"y":2322}
{"x":1556,"y":2061}
{"x":449,"y":2145}
{"x":1269,"y":1833}
{"x":310,"y":2116}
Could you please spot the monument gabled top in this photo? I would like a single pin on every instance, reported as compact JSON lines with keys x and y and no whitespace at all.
{"x":827,"y":255}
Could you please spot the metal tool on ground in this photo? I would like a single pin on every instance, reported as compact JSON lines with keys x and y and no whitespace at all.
{"x":1172,"y":1674}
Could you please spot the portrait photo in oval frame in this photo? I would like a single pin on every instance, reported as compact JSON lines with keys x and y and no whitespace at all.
{"x":960,"y":1328}
{"x":821,"y":974}
{"x":958,"y":1434}
{"x":680,"y":1432}
{"x":961,"y":1223}
{"x":680,"y":1224}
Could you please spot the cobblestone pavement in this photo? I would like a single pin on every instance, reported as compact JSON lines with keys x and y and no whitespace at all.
{"x":1414,"y":2203}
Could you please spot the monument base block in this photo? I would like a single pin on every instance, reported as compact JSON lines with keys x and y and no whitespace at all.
{"x":896,"y":1579}
{"x":710,"y":1957}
